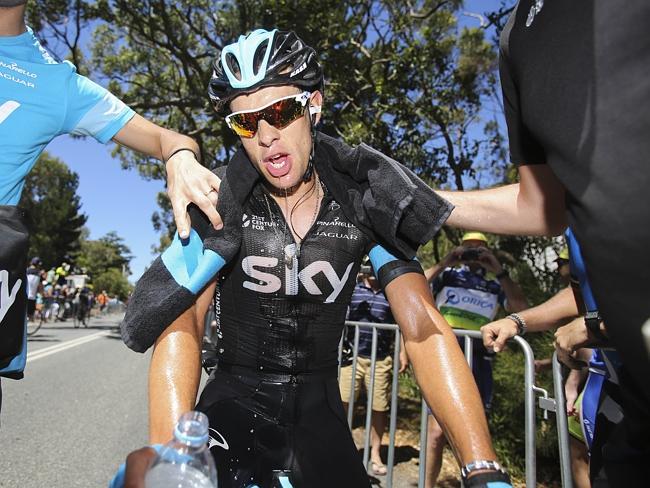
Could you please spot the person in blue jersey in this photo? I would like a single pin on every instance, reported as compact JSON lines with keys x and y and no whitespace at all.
{"x":369,"y":304}
{"x":470,"y":286}
{"x":273,"y":400}
{"x":40,"y":99}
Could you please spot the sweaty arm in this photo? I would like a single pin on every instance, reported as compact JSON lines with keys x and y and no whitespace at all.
{"x":187,"y":180}
{"x":534,"y":206}
{"x":175,"y":369}
{"x":440,"y":368}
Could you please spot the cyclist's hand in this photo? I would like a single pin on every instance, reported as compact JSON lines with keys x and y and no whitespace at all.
{"x":190,"y":182}
{"x":495,"y":334}
{"x":570,"y":338}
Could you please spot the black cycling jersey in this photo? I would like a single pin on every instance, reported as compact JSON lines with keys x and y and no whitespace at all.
{"x":278,"y":316}
{"x":274,"y":399}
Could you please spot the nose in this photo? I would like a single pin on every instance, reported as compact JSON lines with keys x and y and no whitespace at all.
{"x":267,"y":134}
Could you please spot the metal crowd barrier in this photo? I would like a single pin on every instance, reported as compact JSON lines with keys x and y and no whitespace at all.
{"x":531,"y":391}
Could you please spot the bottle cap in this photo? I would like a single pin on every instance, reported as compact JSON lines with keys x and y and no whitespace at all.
{"x":192,"y":429}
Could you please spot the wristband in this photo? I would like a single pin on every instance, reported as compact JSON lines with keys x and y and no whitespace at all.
{"x":179,"y":150}
{"x":521,"y":323}
{"x":502,"y":274}
{"x":480,"y":465}
{"x":592,"y":322}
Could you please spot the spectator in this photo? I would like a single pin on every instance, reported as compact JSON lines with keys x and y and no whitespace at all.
{"x":33,"y":286}
{"x":102,"y":300}
{"x":467,"y":299}
{"x":369,"y":304}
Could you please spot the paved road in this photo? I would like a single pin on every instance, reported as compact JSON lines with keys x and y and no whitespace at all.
{"x":80,"y":408}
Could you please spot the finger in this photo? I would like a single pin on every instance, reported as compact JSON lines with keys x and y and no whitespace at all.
{"x":137,"y":464}
{"x":208,"y":207}
{"x":181,"y":217}
{"x":214,"y":181}
{"x":500,"y":341}
{"x":488,"y":336}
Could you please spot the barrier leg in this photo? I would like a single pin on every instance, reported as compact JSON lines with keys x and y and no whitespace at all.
{"x":562,"y":424}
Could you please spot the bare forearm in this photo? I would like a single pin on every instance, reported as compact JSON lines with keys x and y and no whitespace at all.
{"x":148,"y":138}
{"x":440,"y":368}
{"x":553,"y":313}
{"x":535,"y":206}
{"x":175,"y":370}
{"x":173,"y":377}
{"x":449,"y":389}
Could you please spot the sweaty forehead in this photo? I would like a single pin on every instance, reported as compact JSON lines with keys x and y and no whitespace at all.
{"x":261,"y":97}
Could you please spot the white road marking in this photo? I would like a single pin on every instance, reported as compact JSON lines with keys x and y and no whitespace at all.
{"x":47,"y":351}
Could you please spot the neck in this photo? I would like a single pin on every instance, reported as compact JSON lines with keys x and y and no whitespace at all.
{"x":12,"y":21}
{"x":304,"y":190}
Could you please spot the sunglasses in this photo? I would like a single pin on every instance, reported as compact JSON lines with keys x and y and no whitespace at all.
{"x":279,"y":113}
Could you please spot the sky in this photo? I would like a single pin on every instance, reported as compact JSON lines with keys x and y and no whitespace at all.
{"x":120,"y":200}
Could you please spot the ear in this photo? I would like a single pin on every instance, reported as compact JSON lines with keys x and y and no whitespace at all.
{"x":315,"y":106}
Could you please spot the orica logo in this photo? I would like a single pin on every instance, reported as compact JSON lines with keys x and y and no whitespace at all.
{"x":452,"y":298}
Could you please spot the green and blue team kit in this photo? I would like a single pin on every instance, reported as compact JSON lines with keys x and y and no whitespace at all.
{"x":467,"y":299}
{"x":40,"y":99}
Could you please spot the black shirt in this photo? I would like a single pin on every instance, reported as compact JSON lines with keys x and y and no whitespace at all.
{"x":276,"y":317}
{"x":576,"y":86}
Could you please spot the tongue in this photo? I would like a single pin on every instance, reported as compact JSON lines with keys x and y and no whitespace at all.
{"x":279,"y":166}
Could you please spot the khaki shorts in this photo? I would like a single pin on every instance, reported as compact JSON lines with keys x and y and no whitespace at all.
{"x":383,"y":382}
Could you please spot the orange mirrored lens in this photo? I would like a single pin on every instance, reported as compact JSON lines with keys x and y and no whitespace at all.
{"x":279,"y":115}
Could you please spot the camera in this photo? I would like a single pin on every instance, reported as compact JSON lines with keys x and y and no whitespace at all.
{"x":470,"y":255}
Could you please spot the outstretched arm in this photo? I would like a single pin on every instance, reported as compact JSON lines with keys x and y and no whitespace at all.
{"x":551,"y":314}
{"x":187,"y":180}
{"x":175,"y":369}
{"x":440,"y":368}
{"x":534,"y":206}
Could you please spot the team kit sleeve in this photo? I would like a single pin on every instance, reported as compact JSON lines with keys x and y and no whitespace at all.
{"x":91,"y":110}
{"x":388,"y":267}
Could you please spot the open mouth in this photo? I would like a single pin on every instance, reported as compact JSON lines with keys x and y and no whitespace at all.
{"x":279,"y":164}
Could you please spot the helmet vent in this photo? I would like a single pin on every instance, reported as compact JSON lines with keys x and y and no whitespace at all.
{"x":260,"y":54}
{"x":233,"y":65}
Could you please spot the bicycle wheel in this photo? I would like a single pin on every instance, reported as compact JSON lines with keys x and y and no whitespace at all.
{"x":75,"y":317}
{"x":34,"y":325}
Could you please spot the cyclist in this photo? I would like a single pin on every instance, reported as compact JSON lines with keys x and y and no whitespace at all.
{"x":41,"y":98}
{"x":282,"y":299}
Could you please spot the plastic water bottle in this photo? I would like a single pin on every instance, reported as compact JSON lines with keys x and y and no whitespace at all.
{"x":185,"y":461}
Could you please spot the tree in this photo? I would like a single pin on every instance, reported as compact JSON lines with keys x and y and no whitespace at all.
{"x":51,"y":200}
{"x":114,"y":282}
{"x":106,"y":253}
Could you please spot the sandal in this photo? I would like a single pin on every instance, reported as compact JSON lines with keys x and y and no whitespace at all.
{"x":378,"y":469}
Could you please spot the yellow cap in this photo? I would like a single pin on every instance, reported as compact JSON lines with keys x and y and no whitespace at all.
{"x":564,"y":254}
{"x":474,"y":236}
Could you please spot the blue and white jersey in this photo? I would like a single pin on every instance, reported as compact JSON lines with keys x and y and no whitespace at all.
{"x":467,"y":299}
{"x":40,"y":99}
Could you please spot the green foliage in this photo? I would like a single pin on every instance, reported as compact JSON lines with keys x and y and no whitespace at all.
{"x":114,"y":282}
{"x":106,"y":261}
{"x":51,"y":201}
{"x":108,"y":252}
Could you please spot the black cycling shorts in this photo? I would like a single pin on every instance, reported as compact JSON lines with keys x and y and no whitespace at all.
{"x":260,"y":424}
